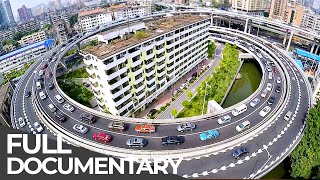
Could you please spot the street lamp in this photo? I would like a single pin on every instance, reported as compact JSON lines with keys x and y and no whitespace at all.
{"x":204,"y":97}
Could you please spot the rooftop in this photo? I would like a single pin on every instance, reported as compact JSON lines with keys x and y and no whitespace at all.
{"x":93,"y":11}
{"x":46,"y":43}
{"x":154,"y":28}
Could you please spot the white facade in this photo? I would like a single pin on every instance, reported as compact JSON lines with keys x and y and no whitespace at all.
{"x":249,"y":6}
{"x":130,"y":12}
{"x":311,"y":21}
{"x":131,"y":78}
{"x":91,"y":21}
{"x":35,"y":37}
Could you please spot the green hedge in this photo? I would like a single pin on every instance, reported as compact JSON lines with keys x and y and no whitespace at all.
{"x":14,"y":73}
{"x":218,"y":83}
{"x":78,"y":73}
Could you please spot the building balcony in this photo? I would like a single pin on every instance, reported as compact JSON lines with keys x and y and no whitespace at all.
{"x":150,"y":65}
{"x":125,"y":107}
{"x":117,"y":73}
{"x":117,"y":84}
{"x":118,"y":93}
{"x":150,"y":56}
{"x":138,"y":80}
{"x":128,"y":96}
{"x":161,"y":66}
{"x":141,"y":95}
{"x":137,"y":72}
{"x":161,"y":73}
{"x":114,"y":63}
{"x":150,"y":73}
{"x":161,"y":59}
{"x":140,"y":88}
{"x":138,"y":62}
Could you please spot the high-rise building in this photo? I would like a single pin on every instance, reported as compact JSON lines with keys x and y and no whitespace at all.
{"x":6,"y":12}
{"x":58,"y":4}
{"x":278,"y":9}
{"x":25,"y":14}
{"x":254,"y":7}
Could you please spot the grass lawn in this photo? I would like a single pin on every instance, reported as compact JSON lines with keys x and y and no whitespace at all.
{"x":79,"y":73}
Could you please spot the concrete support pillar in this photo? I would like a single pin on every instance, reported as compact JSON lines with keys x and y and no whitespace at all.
{"x":78,"y":47}
{"x":249,"y":29}
{"x":289,"y":41}
{"x":246,"y":26}
{"x":316,"y":52}
{"x":313,"y":44}
{"x":285,"y":39}
{"x":211,"y":20}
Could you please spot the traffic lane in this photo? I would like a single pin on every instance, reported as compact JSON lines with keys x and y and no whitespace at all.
{"x":154,"y":143}
{"x":169,"y":129}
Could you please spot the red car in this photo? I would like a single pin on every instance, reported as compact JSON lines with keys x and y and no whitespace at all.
{"x":49,"y":75}
{"x":43,"y":66}
{"x":275,"y":70}
{"x":101,"y":137}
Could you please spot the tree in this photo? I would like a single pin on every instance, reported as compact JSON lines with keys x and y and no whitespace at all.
{"x":47,"y":26}
{"x":73,"y":19}
{"x":185,"y":103}
{"x":190,"y":94}
{"x":305,"y":159}
{"x":174,"y":112}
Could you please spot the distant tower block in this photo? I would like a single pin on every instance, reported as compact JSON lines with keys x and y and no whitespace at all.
{"x":213,"y":107}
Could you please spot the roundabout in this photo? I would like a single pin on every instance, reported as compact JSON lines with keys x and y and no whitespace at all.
{"x":269,"y":139}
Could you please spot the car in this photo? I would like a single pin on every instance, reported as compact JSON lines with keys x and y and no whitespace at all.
{"x":278,"y":80}
{"x":101,"y":137}
{"x":240,"y":152}
{"x":259,"y":55}
{"x":186,"y":127}
{"x":80,"y":128}
{"x":145,"y":128}
{"x":210,"y":134}
{"x":50,"y":86}
{"x":52,"y":108}
{"x":271,"y":100}
{"x":278,"y":88}
{"x":27,"y":94}
{"x":269,"y":87}
{"x":42,"y":95}
{"x":264,"y":93}
{"x":21,"y":122}
{"x":120,"y":126}
{"x":254,"y":102}
{"x":40,"y":78}
{"x":59,"y":98}
{"x":38,"y":127}
{"x":251,"y":49}
{"x":175,"y":92}
{"x":183,"y":85}
{"x":287,"y":116}
{"x":87,"y":118}
{"x":44,"y":66}
{"x":68,"y":107}
{"x":172,"y":140}
{"x":242,"y":126}
{"x":41,"y":72}
{"x":136,"y":142}
{"x":49,"y":75}
{"x":86,"y":84}
{"x":270,"y":75}
{"x":265,"y":111}
{"x":268,"y":68}
{"x":224,"y":119}
{"x":195,"y":75}
{"x":59,"y":116}
{"x":152,"y":112}
{"x":275,"y":70}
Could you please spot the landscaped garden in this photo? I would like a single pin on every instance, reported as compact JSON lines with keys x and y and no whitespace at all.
{"x":14,"y":73}
{"x":215,"y":86}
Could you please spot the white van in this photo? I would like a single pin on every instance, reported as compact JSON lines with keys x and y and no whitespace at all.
{"x":38,"y":85}
{"x":59,"y":98}
{"x":238,"y":110}
{"x":42,"y":95}
{"x":270,"y":75}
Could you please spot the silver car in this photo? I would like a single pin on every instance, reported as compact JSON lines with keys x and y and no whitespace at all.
{"x":186,"y":127}
{"x":136,"y":142}
{"x":224,"y":119}
{"x":254,"y":102}
{"x":80,"y":128}
{"x":21,"y":122}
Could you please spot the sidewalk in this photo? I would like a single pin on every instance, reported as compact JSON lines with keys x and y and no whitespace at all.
{"x":177,"y":104}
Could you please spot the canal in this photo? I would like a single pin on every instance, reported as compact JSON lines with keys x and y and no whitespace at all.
{"x":250,"y":79}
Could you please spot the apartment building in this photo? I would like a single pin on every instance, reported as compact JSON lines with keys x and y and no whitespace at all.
{"x":278,"y":9}
{"x":33,"y":38}
{"x":91,"y":19}
{"x":136,"y":63}
{"x":254,"y":7}
{"x":6,"y":92}
{"x":61,"y":30}
{"x":17,"y":58}
{"x":123,"y":11}
{"x":310,"y":20}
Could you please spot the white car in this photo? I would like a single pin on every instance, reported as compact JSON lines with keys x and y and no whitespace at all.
{"x":42,"y":95}
{"x":68,"y":107}
{"x":269,"y":68}
{"x":265,"y":111}
{"x":38,"y":127}
{"x":269,"y":87}
{"x":270,"y":75}
{"x":59,"y":98}
{"x":251,"y":49}
{"x":80,"y":128}
{"x":254,"y":102}
{"x":264,"y":93}
{"x":278,"y":80}
{"x":21,"y":122}
{"x":224,"y":119}
{"x":242,"y":126}
{"x":41,"y":72}
{"x":259,"y":55}
{"x":183,"y":85}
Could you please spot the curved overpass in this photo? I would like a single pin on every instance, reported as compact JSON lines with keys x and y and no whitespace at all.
{"x":270,"y":139}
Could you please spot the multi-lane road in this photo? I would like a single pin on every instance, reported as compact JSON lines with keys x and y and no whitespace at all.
{"x":269,"y":139}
